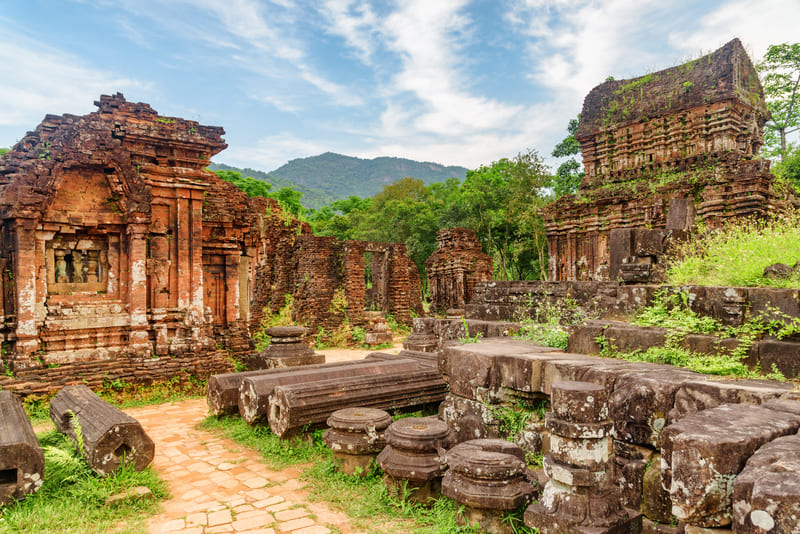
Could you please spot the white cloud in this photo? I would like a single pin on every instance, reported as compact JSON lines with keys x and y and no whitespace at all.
{"x":429,"y":37}
{"x":758,"y":23}
{"x":41,"y":80}
{"x":355,"y":22}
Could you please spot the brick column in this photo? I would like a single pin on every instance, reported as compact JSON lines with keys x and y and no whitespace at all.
{"x":137,"y":287}
{"x":24,"y":272}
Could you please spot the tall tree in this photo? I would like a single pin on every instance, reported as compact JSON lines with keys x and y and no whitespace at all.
{"x":570,"y":173}
{"x":780,"y":70}
{"x":503,"y":200}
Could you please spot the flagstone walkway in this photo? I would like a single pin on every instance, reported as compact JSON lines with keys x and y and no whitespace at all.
{"x":219,"y":486}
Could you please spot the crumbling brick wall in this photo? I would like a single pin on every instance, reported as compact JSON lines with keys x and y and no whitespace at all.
{"x":328,"y":287}
{"x":688,"y":132}
{"x":455,"y":267}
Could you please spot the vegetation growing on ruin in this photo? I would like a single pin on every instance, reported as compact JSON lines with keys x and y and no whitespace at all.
{"x":671,"y":310}
{"x":737,"y":254}
{"x":550,"y":324}
{"x":73,"y":497}
{"x":364,"y":498}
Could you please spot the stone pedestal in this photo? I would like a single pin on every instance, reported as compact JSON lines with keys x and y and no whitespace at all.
{"x":377,"y":331}
{"x":287,"y":348}
{"x":580,"y":496}
{"x":421,"y":338}
{"x":413,"y":459}
{"x":487,"y":476}
{"x":356,"y":436}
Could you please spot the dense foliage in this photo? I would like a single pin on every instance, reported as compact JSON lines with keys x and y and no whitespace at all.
{"x":737,"y":254}
{"x":499,"y":201}
{"x":570,"y":173}
{"x":288,"y":198}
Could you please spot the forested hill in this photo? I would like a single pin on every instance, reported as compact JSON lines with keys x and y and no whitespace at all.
{"x":312,"y":198}
{"x":329,"y":176}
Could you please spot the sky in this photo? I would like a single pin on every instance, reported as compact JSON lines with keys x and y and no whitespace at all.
{"x":456,"y":82}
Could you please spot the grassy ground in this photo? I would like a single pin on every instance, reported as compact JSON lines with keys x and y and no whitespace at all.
{"x":737,"y":254}
{"x":72,"y":498}
{"x":364,"y":499}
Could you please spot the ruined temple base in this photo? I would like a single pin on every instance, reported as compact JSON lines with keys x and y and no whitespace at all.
{"x":414,"y":491}
{"x":537,"y":516}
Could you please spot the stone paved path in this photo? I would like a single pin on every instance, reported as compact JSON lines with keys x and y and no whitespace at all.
{"x":219,"y":486}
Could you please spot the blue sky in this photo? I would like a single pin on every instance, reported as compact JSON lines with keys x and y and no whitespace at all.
{"x":452,"y":81}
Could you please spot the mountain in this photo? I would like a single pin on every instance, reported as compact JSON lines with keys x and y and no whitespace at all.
{"x":312,"y":198}
{"x":329,"y":176}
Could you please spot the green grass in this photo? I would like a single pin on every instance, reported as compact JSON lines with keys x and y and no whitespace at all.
{"x":738,"y":254}
{"x":72,"y":498}
{"x":364,"y":499}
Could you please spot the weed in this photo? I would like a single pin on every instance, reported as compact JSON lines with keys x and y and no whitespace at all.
{"x":282,"y":318}
{"x":551,"y":322}
{"x":467,"y":338}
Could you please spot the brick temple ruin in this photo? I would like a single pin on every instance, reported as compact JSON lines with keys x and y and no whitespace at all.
{"x":123,"y":257}
{"x":454,"y":269}
{"x":662,"y":153}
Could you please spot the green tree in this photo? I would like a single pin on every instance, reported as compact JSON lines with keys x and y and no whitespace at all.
{"x":503,"y":202}
{"x":4,"y":150}
{"x":570,"y":173}
{"x":780,"y":76}
{"x":789,"y":167}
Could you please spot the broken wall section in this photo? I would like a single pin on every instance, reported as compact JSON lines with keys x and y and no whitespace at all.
{"x":330,"y":283}
{"x":455,"y":268}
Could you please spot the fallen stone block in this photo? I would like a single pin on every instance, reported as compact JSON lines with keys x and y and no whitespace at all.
{"x":105,"y":435}
{"x":704,"y":452}
{"x":254,"y":391}
{"x":766,"y":494}
{"x":21,"y":458}
{"x":641,"y":402}
{"x":222,"y":391}
{"x":295,"y":406}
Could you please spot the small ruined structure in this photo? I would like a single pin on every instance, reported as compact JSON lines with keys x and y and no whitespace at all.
{"x":287,"y":348}
{"x":21,"y":457}
{"x":106,"y":435}
{"x":581,"y":495}
{"x":414,"y":458}
{"x":356,"y":436}
{"x":421,"y":338}
{"x":487,"y":476}
{"x":455,"y":267}
{"x":662,"y":152}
